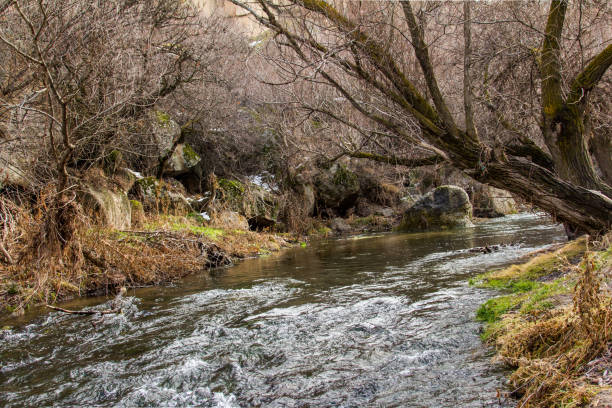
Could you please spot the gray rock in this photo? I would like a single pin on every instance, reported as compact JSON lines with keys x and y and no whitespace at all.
{"x":337,"y":188}
{"x":112,"y":208}
{"x":230,"y":220}
{"x":340,"y":225}
{"x":386,"y":212}
{"x":491,"y":202}
{"x":165,"y":130}
{"x":446,"y":207}
{"x":156,"y":197}
{"x":182,"y":161}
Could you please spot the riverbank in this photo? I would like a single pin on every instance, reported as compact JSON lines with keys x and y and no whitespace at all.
{"x":99,"y":260}
{"x":553,"y":326}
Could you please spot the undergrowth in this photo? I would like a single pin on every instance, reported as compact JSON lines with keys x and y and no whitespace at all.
{"x":551,"y":324}
{"x":97,"y":260}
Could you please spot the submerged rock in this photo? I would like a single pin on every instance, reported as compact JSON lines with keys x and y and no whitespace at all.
{"x":446,"y":207}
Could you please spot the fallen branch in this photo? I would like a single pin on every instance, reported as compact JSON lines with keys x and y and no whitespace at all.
{"x":85,"y":312}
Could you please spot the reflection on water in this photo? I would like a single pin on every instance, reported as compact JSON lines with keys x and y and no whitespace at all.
{"x":383,"y":320}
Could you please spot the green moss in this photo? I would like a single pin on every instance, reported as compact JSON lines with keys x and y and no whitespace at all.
{"x":148,"y":185}
{"x":190,"y":156}
{"x":344,"y":177}
{"x":232,"y":187}
{"x":515,"y":278}
{"x":136,"y":205}
{"x":212,"y":233}
{"x":162,"y":118}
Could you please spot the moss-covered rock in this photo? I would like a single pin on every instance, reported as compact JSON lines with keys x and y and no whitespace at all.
{"x":182,"y":161}
{"x":337,"y":189}
{"x":160,"y":197}
{"x":138,"y":215}
{"x":446,"y":207}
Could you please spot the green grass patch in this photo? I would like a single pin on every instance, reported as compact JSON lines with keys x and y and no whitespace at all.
{"x":493,"y":309}
{"x":212,"y":233}
{"x":521,"y":278}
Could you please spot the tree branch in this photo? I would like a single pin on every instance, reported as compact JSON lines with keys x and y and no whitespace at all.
{"x":551,"y":64}
{"x":470,"y":128}
{"x":422,"y":53}
{"x":425,"y":161}
{"x":589,"y":77}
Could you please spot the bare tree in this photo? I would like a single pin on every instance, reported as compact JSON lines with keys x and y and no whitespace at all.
{"x":78,"y":78}
{"x":341,"y":45}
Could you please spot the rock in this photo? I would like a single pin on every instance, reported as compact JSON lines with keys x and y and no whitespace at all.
{"x":112,"y":208}
{"x":374,"y":188}
{"x":337,"y":189}
{"x":125,"y":178}
{"x":340,"y":225}
{"x":12,"y":174}
{"x":446,"y":207}
{"x":386,"y":212}
{"x":166,"y":197}
{"x":138,"y":215}
{"x":165,"y":130}
{"x":230,"y":220}
{"x":259,"y":206}
{"x":364,"y":208}
{"x":182,"y":161}
{"x":491,"y":202}
{"x":307,"y":193}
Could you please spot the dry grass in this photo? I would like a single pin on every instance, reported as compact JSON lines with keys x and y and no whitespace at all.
{"x":551,"y":349}
{"x":99,"y":261}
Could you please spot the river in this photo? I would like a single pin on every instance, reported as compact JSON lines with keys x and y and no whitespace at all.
{"x":376,"y":320}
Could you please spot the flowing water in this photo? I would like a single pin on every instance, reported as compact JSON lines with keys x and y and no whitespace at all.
{"x":382,"y":321}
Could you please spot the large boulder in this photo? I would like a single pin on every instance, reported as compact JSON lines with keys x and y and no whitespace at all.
{"x":111,"y":208}
{"x":340,"y":226}
{"x":165,"y":130}
{"x":183,"y":160}
{"x":229,"y":220}
{"x":255,"y":202}
{"x":13,"y":170}
{"x":491,"y":202}
{"x":446,"y":207}
{"x":337,"y":189}
{"x":166,"y":197}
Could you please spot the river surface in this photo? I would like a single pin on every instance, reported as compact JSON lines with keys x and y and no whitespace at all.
{"x":381,"y":320}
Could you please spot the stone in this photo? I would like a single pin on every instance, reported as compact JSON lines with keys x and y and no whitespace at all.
{"x":182,"y":161}
{"x":491,"y":202}
{"x":12,"y":174}
{"x":446,"y":207}
{"x":166,"y":197}
{"x":337,"y":189}
{"x":137,"y":213}
{"x":340,"y":225}
{"x":386,"y":212}
{"x":111,"y":208}
{"x":165,"y":130}
{"x":230,"y":220}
